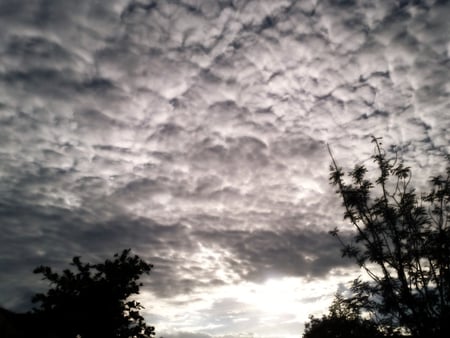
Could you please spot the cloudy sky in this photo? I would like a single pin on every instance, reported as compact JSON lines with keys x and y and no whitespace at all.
{"x":195,"y":133}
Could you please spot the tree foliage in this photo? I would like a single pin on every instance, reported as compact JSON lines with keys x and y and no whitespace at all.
{"x":402,"y":241}
{"x":94,"y":301}
{"x":343,"y":321}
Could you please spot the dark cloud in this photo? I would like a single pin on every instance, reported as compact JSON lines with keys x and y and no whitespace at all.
{"x":195,"y":133}
{"x":261,"y":254}
{"x":46,"y":235}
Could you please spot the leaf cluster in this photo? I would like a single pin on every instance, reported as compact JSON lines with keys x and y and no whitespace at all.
{"x":93,"y":301}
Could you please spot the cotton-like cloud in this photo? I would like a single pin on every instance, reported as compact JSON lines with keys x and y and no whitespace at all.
{"x":196,"y":132}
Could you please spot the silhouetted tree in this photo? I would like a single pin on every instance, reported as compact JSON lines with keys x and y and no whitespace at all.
{"x":343,"y":321}
{"x":402,"y":241}
{"x":18,"y":325}
{"x":93,"y":301}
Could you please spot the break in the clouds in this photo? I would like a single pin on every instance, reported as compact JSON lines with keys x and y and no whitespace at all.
{"x":195,"y":133}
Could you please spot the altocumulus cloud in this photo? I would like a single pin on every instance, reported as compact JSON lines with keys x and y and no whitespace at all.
{"x":195,"y":132}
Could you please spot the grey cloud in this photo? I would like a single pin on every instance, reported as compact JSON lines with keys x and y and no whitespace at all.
{"x":37,"y":51}
{"x":33,"y":236}
{"x":261,"y":254}
{"x":183,"y":334}
{"x":231,"y":156}
{"x":168,"y":125}
{"x":45,"y":82}
{"x":297,"y":148}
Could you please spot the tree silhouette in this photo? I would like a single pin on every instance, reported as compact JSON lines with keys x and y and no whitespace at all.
{"x":93,"y":301}
{"x":402,"y":241}
{"x":343,"y":321}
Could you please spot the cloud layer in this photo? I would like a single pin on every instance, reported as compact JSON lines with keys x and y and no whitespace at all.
{"x":195,"y":132}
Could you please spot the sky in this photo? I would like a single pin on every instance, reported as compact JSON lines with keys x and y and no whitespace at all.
{"x":195,"y":133}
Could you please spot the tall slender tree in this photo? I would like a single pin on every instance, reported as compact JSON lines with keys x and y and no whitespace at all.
{"x":402,"y":241}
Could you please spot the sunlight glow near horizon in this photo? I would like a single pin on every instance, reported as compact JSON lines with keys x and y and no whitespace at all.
{"x":274,"y":301}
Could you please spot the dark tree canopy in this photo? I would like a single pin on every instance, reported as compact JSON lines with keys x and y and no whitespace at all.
{"x":402,"y":241}
{"x":343,"y":321}
{"x":93,"y":301}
